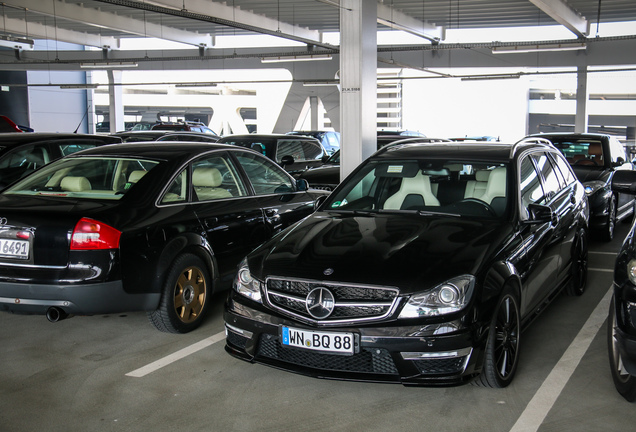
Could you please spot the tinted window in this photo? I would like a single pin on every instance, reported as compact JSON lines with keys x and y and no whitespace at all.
{"x":265,"y":176}
{"x":564,"y":168}
{"x":215,"y":177}
{"x":551,"y":185}
{"x":299,"y":150}
{"x":27,"y":157}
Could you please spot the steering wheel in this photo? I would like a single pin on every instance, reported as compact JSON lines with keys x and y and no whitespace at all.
{"x":483,"y":204}
{"x":579,"y":162}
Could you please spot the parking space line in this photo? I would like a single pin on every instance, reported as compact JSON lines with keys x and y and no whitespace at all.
{"x":544,"y":399}
{"x":145,"y":370}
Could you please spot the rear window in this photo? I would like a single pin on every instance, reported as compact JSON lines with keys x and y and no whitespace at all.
{"x":85,"y":177}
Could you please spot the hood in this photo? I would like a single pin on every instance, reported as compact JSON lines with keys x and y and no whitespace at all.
{"x":586,"y":174}
{"x":326,"y":174}
{"x":411,"y":252}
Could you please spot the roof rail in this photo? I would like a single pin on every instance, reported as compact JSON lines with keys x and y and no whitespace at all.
{"x":534,"y":140}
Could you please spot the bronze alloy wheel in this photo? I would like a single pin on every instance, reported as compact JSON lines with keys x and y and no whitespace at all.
{"x":184,"y":299}
{"x":190,"y":294}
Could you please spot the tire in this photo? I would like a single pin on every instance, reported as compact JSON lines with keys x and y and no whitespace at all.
{"x":185,"y":295}
{"x":502,"y":348}
{"x":624,"y":382}
{"x":608,"y":231}
{"x":578,"y":271}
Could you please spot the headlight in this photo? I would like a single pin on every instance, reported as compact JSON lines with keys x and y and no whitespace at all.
{"x":245,"y":284}
{"x":449,"y":297}
{"x":631,"y":271}
{"x":593,"y":186}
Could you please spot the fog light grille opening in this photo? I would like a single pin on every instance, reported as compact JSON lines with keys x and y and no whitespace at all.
{"x":440,"y":365}
{"x":236,"y":339}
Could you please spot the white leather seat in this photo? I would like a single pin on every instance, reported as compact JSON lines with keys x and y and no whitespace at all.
{"x":136,"y":175}
{"x":417,"y":188}
{"x":476,"y":188}
{"x":75,"y":184}
{"x":206,"y":182}
{"x":496,"y":187}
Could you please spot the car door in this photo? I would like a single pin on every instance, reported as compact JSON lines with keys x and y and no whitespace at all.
{"x":563,"y":204}
{"x":542,"y":248}
{"x":229,"y":212}
{"x":276,"y":192}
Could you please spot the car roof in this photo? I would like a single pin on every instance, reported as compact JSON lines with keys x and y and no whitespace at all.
{"x":571,"y":134}
{"x":480,"y":151}
{"x":266,"y":136}
{"x":163,"y":150}
{"x":13,"y":139}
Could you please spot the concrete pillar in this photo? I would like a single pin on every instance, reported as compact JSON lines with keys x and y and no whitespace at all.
{"x":358,"y":82}
{"x":116,"y":105}
{"x":582,"y":95}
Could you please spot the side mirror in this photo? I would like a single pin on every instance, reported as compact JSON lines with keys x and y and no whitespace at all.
{"x":620,"y":161}
{"x":325,"y":158}
{"x":541,"y":214}
{"x":287,"y":160}
{"x":302,"y":185}
{"x":624,"y":181}
{"x":321,"y":199}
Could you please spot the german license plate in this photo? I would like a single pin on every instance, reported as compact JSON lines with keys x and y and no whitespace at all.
{"x":328,"y":342}
{"x":14,"y":248}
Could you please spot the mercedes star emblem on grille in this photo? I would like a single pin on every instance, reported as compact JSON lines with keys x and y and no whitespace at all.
{"x":320,"y":303}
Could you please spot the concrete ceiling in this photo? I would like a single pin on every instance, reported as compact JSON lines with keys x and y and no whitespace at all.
{"x":197,"y":23}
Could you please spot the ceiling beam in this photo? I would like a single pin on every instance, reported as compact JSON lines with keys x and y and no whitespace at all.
{"x":221,"y":13}
{"x":392,"y":18}
{"x":47,"y":32}
{"x":95,"y":17}
{"x":565,"y":15}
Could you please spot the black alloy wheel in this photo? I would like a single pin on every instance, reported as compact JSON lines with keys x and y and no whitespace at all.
{"x":578,"y":271}
{"x":184,"y":299}
{"x":608,"y":233}
{"x":624,"y":382}
{"x":502,"y":347}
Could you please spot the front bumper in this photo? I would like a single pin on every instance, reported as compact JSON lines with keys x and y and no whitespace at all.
{"x":76,"y":299}
{"x":434,"y":355}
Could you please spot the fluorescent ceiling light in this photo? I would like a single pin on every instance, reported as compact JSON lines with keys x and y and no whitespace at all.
{"x":199,"y":84}
{"x":491,"y":77}
{"x":79,"y":86}
{"x":108,"y":64}
{"x":16,"y":43}
{"x":539,"y":48}
{"x":292,"y":58}
{"x":320,"y":83}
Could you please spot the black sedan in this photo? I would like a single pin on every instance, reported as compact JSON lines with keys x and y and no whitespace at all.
{"x":422,"y":267}
{"x":621,"y":323}
{"x":23,"y":153}
{"x":152,"y":227}
{"x":595,"y":158}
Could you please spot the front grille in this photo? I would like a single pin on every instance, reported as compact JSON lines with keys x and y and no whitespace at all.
{"x":441,"y":366}
{"x":352,"y":302}
{"x":376,"y":361}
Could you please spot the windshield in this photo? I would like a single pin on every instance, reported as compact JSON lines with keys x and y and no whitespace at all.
{"x":85,"y":177}
{"x":455,"y":187}
{"x":581,"y":152}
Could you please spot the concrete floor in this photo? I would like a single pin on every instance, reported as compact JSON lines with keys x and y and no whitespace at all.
{"x":72,"y":376}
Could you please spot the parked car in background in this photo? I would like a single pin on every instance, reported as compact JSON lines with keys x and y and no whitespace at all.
{"x":327,"y":176}
{"x":23,"y":153}
{"x":183,"y":126}
{"x":7,"y":125}
{"x":475,"y":138}
{"x":595,"y":158}
{"x":295,"y":153}
{"x":413,"y":272}
{"x":140,"y":227}
{"x":330,"y":140}
{"x":621,"y":322}
{"x":165,"y":135}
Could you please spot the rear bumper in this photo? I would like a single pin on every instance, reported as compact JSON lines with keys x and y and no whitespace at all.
{"x":77,"y":299}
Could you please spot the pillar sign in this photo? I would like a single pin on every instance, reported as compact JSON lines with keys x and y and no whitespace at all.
{"x":358,"y":82}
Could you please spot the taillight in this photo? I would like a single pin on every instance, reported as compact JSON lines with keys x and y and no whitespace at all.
{"x":90,"y":234}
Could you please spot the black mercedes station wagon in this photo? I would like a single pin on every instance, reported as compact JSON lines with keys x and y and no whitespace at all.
{"x":421,"y":268}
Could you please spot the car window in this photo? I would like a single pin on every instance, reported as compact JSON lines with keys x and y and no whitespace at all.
{"x":85,"y":177}
{"x":216,"y":177}
{"x":530,"y":184}
{"x":582,"y":151}
{"x":564,"y":168}
{"x":617,"y":150}
{"x":265,"y":176}
{"x":177,"y":191}
{"x":551,"y":181}
{"x":453,"y":186}
{"x":299,"y":150}
{"x":28,"y":157}
{"x":72,"y":147}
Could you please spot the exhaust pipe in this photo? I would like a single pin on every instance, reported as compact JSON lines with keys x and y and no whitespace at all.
{"x":55,"y":314}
